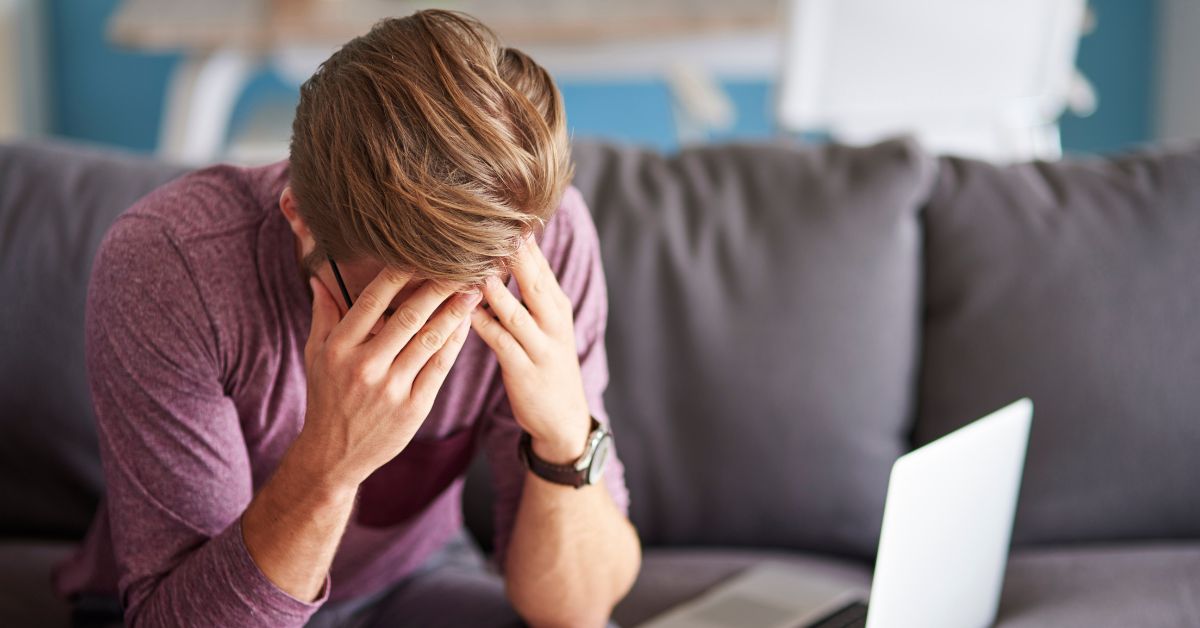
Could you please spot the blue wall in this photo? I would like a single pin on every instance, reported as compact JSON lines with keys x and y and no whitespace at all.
{"x":99,"y":93}
{"x":1120,"y":60}
{"x":102,"y":94}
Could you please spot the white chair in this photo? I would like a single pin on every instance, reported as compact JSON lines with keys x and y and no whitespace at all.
{"x":984,"y":78}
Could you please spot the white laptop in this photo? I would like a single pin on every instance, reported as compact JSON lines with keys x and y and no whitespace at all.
{"x":942,"y":549}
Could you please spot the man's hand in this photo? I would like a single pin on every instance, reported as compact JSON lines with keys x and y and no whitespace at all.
{"x":368,"y":395}
{"x":572,"y":554}
{"x":537,"y":354}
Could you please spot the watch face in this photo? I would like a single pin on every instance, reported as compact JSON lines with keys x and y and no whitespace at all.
{"x":596,"y":470}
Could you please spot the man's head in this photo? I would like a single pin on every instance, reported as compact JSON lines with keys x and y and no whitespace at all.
{"x":424,"y":145}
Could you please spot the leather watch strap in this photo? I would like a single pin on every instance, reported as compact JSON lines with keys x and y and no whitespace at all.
{"x":568,"y":474}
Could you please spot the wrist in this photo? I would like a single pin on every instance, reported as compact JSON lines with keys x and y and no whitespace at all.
{"x":324,"y":479}
{"x":565,"y":445}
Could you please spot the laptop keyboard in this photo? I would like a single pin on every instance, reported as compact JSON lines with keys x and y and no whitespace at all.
{"x":851,"y":616}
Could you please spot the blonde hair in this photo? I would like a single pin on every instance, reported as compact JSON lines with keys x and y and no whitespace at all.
{"x":427,"y":145}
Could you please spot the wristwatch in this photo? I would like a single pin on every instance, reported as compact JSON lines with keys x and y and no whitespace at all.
{"x":586,"y":470}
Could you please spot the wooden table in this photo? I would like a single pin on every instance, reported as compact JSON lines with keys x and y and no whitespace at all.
{"x":226,"y":41}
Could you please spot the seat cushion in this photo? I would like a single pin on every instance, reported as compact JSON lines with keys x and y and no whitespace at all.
{"x":1148,"y":584}
{"x":672,"y":576}
{"x":26,"y":598}
{"x":1077,"y":284}
{"x":1099,"y":587}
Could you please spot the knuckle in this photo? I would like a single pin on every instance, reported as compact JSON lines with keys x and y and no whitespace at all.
{"x":561,"y":318}
{"x":461,"y":309}
{"x":370,"y":300}
{"x":515,"y":320}
{"x":430,"y":339}
{"x":538,"y":285}
{"x":396,"y":391}
{"x":439,"y":362}
{"x":443,"y":288}
{"x":506,"y":342}
{"x":360,"y":372}
{"x":394,"y":275}
{"x":331,"y":352}
{"x":408,"y":317}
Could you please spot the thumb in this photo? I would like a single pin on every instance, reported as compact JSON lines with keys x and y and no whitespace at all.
{"x":325,"y":312}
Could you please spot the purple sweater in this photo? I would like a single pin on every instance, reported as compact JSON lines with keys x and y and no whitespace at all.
{"x":197,"y":317}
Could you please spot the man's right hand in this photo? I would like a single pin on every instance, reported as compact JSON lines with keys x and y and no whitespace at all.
{"x":368,"y":394}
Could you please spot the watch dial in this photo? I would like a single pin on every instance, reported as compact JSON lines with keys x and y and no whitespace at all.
{"x":598,"y":459}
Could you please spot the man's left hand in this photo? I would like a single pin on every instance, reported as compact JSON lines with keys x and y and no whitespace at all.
{"x":535,"y":344}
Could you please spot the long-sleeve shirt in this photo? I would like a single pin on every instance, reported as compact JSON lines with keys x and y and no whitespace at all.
{"x":197,"y":317}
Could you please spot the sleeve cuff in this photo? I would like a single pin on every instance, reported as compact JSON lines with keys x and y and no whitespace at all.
{"x":259,"y":590}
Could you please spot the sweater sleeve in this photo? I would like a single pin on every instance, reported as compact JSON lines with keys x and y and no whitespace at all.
{"x":175,"y":461}
{"x":572,"y":248}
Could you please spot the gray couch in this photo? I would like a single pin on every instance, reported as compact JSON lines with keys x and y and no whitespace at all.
{"x":784,"y":322}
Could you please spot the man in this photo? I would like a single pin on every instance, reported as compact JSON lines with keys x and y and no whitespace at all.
{"x":286,"y":387}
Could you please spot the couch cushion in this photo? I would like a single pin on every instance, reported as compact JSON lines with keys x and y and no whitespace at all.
{"x":761,"y":335}
{"x":1077,"y":284}
{"x":26,"y":598}
{"x":1099,"y":587}
{"x":55,"y":204}
{"x":670,"y":577}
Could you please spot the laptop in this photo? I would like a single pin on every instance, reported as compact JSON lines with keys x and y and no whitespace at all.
{"x":942,"y":553}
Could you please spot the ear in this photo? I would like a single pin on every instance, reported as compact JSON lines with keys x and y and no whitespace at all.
{"x":287,"y":204}
{"x":305,"y":243}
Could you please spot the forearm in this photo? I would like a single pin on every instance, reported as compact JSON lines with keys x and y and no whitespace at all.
{"x":266,"y":569}
{"x":294,"y":524}
{"x":572,"y":555}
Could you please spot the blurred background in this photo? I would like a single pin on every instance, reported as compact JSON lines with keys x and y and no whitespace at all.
{"x":1014,"y":79}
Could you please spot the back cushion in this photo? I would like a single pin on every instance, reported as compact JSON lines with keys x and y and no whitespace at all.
{"x":762,"y":333}
{"x":55,"y":204}
{"x":1077,"y":284}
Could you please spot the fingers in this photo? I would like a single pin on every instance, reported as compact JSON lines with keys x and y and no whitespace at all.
{"x":535,"y":251}
{"x":325,"y":312}
{"x":513,"y":315}
{"x":369,"y":306}
{"x":433,"y":374}
{"x":511,"y":354}
{"x":408,"y":319}
{"x":539,"y":287}
{"x":427,"y":338}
